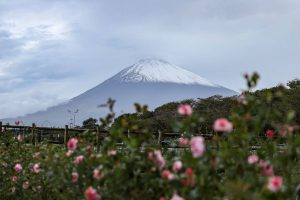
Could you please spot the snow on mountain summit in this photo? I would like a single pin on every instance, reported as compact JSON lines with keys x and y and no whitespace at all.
{"x":156,"y":70}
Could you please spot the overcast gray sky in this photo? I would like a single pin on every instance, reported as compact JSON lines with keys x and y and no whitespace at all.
{"x":51,"y":51}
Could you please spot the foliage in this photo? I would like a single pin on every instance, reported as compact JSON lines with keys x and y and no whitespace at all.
{"x":246,"y":162}
{"x":211,"y":108}
{"x":294,"y":84}
{"x":90,"y":123}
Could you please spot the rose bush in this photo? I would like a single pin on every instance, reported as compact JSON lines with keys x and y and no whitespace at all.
{"x":254,"y":154}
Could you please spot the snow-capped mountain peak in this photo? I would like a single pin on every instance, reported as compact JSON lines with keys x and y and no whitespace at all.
{"x":156,"y":70}
{"x":149,"y":81}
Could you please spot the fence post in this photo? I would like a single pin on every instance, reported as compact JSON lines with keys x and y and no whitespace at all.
{"x":97,"y":138}
{"x":41,"y":135}
{"x":23,"y":131}
{"x":159,"y":137}
{"x":7,"y":124}
{"x":33,"y":133}
{"x":0,"y":127}
{"x":66,"y":134}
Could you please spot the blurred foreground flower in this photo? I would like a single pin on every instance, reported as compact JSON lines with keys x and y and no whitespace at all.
{"x":157,"y":158}
{"x":13,"y":189}
{"x":111,"y":152}
{"x":36,"y":155}
{"x":185,"y":110}
{"x":17,"y":122}
{"x":91,"y":194}
{"x":177,"y":165}
{"x":176,"y":197}
{"x":267,"y":168}
{"x":75,"y":177}
{"x":274,"y":183}
{"x":25,"y":185}
{"x":269,"y":133}
{"x":14,"y":178}
{"x":36,"y":168}
{"x":78,"y":159}
{"x":242,"y":99}
{"x":183,"y":141}
{"x":252,"y":159}
{"x":97,"y":174}
{"x":72,"y":144}
{"x":222,"y":125}
{"x":18,"y":168}
{"x":20,"y":138}
{"x":197,"y":146}
{"x":166,"y":174}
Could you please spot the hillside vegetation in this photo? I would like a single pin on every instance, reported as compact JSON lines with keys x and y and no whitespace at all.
{"x":164,"y":117}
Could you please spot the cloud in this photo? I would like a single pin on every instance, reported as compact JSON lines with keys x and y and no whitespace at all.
{"x":54,"y":50}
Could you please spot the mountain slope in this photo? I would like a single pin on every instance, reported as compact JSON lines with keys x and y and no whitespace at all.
{"x":152,"y":82}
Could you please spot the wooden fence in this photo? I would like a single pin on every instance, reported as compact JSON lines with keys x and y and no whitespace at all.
{"x":61,"y":135}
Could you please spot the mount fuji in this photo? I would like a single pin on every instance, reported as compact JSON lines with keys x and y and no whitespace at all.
{"x":149,"y":81}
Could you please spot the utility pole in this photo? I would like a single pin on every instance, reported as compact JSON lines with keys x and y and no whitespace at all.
{"x":73,"y":113}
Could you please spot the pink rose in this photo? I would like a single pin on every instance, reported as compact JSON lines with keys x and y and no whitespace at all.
{"x":150,"y":156}
{"x":189,"y":172}
{"x":17,"y":122}
{"x":159,"y":159}
{"x":197,"y":146}
{"x":18,"y":168}
{"x":188,"y":182}
{"x":263,"y":164}
{"x":78,"y":159}
{"x":185,"y":110}
{"x":177,"y":166}
{"x":291,"y":129}
{"x":269,"y":133}
{"x":97,"y":174}
{"x":283,"y":132}
{"x":176,"y":197}
{"x":75,"y":177}
{"x":242,"y":99}
{"x":223,"y":125}
{"x":36,"y":168}
{"x":267,"y":168}
{"x":72,"y":144}
{"x":36,"y":155}
{"x":183,"y":141}
{"x":20,"y":138}
{"x":268,"y":171}
{"x":274,"y":183}
{"x":13,"y":189}
{"x":14,"y":178}
{"x":25,"y":185}
{"x":69,"y":153}
{"x":111,"y":152}
{"x":252,"y":159}
{"x":91,"y":194}
{"x":166,"y":174}
{"x":90,"y":149}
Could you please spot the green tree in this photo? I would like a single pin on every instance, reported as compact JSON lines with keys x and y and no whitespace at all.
{"x":90,"y":123}
{"x":294,"y":84}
